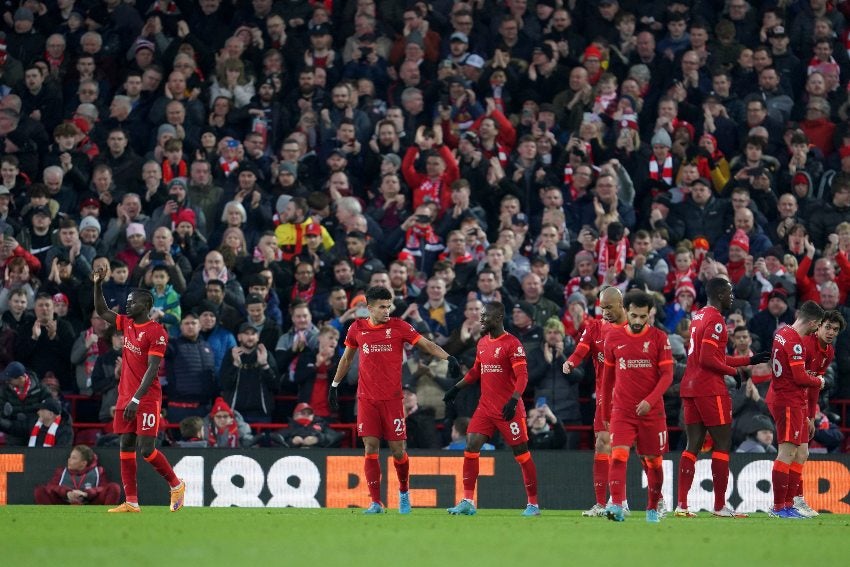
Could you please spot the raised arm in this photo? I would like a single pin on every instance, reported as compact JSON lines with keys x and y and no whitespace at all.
{"x":99,"y":302}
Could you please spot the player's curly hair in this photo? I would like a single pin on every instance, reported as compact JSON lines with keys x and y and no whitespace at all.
{"x":835,"y":316}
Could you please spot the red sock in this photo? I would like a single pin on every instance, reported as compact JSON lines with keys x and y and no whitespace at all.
{"x":163,"y":467}
{"x":720,"y":477}
{"x":687,"y":470}
{"x":799,"y":491}
{"x":402,"y":469}
{"x":601,"y":462}
{"x":470,"y":474}
{"x":529,"y":476}
{"x":795,"y":477}
{"x":128,"y":476}
{"x":617,"y":475}
{"x":654,"y":480}
{"x":780,"y":484}
{"x":372,"y":468}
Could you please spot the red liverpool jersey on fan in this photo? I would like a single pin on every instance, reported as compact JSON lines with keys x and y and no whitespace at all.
{"x":790,"y":380}
{"x":638,"y":367}
{"x":381,"y":354}
{"x":140,"y":341}
{"x":496,"y":365}
{"x":818,"y":360}
{"x":707,"y":360}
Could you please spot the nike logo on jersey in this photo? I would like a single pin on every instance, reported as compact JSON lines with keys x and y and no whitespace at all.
{"x":600,"y":341}
{"x":621,"y":346}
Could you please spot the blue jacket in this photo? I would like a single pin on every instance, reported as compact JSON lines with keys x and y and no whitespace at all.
{"x":221,"y":341}
{"x":190,"y":369}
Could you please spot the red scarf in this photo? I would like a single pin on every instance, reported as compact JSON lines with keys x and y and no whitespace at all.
{"x":666,"y":173}
{"x":227,"y":167}
{"x":24,"y":390}
{"x":429,"y":191}
{"x":419,"y":239}
{"x":612,"y":255}
{"x":307,"y":294}
{"x":231,"y":431}
{"x":50,"y":438}
{"x":168,"y":170}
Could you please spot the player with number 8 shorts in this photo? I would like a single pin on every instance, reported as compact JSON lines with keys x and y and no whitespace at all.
{"x":500,"y":366}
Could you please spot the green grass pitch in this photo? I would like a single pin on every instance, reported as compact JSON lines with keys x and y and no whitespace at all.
{"x":243,"y":537}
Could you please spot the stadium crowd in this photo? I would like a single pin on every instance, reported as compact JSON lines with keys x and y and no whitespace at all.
{"x":257,"y":165}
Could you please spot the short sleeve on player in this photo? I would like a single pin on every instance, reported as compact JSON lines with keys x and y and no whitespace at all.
{"x":119,"y":323}
{"x":158,"y":342}
{"x":351,"y":336}
{"x":410,"y":334}
{"x":665,"y":351}
{"x":795,"y":353}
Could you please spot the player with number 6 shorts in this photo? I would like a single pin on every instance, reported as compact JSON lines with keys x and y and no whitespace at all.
{"x":787,"y":400}
{"x":638,"y":370}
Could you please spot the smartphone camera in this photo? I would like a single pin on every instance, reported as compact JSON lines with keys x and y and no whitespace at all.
{"x":361,"y":312}
{"x":541,"y":401}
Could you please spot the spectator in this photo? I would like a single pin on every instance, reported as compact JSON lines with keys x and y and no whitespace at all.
{"x":249,"y":377}
{"x":303,"y":335}
{"x":759,"y":438}
{"x":45,"y":344}
{"x":458,"y":436}
{"x":192,"y":433}
{"x":560,"y":391}
{"x":545,"y":430}
{"x":190,"y":372}
{"x":765,"y":323}
{"x":307,"y":430}
{"x":419,"y":421}
{"x":20,"y":395}
{"x":52,"y":428}
{"x":225,"y":427}
{"x":81,"y":481}
{"x":824,"y":220}
{"x":313,"y":371}
{"x":219,"y":339}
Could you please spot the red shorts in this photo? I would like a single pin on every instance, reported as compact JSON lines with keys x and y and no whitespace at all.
{"x":791,"y":426}
{"x":649,"y":432}
{"x":381,"y":418}
{"x":708,"y":410}
{"x":146,"y":422}
{"x":514,"y":432}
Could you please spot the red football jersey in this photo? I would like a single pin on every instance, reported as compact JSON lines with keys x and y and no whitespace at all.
{"x":707,"y":360}
{"x":500,"y":364}
{"x":591,"y":343}
{"x":140,"y":341}
{"x":790,"y":380}
{"x":818,"y":360}
{"x":381,"y":356}
{"x":637,"y":367}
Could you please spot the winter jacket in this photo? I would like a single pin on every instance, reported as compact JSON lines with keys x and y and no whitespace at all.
{"x":190,"y":369}
{"x":248,"y":388}
{"x":550,"y":382}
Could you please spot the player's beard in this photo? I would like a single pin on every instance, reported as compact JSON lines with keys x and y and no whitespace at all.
{"x":636,"y":329}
